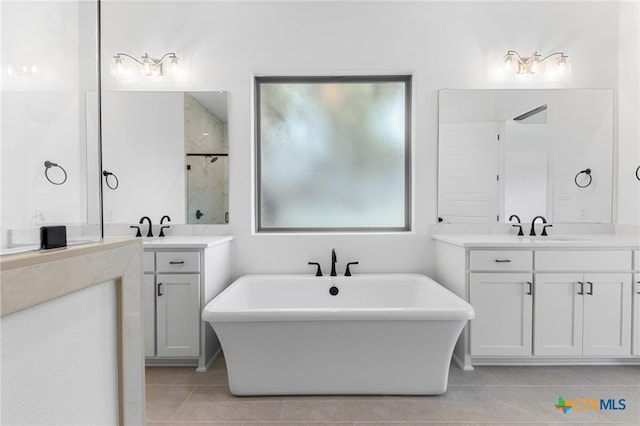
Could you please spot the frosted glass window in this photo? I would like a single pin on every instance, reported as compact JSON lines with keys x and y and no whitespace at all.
{"x":333,"y":154}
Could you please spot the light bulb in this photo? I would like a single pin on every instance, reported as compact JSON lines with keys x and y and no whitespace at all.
{"x":146,"y":65}
{"x":174,"y":65}
{"x":508,"y":63}
{"x":562,"y":65}
{"x":117,"y":68}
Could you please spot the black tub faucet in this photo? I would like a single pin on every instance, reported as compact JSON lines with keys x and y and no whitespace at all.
{"x":163,"y":227}
{"x":532,"y":232}
{"x":333,"y":263}
{"x":150,"y":232}
{"x":520,"y":233}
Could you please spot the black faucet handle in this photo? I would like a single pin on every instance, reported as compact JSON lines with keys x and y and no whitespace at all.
{"x":138,"y":234}
{"x":520,"y":233}
{"x":318,"y":271}
{"x":162,"y":228}
{"x":347,"y":273}
{"x":544,"y":230}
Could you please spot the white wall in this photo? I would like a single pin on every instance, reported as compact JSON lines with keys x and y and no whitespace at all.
{"x":59,"y":361}
{"x":442,"y":44}
{"x":629,"y":114}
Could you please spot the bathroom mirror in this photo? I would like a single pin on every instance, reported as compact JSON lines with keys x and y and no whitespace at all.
{"x":169,"y":154}
{"x":525,"y":152}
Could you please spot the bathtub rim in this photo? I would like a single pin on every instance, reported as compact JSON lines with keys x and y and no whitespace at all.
{"x":465,"y":311}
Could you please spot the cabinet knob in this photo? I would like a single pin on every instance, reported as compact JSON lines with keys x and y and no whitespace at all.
{"x":159,"y":292}
{"x":530,"y":291}
{"x":590,"y":292}
{"x":503,"y":260}
{"x":176,"y":262}
{"x":581,"y":287}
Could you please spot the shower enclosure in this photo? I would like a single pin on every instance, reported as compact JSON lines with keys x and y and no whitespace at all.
{"x":50,"y":156}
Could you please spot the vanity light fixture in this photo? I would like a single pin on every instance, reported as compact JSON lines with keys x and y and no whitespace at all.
{"x":150,"y":67}
{"x":533,"y":64}
{"x":23,"y":71}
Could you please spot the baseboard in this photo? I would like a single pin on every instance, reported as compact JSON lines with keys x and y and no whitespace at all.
{"x":461,"y":364}
{"x":211,"y":361}
{"x":157,"y":362}
{"x":554,"y":361}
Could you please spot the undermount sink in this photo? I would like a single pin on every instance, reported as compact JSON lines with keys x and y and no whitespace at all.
{"x":551,"y":238}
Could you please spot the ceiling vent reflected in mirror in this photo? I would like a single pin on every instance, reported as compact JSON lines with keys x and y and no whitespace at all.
{"x":531,"y":113}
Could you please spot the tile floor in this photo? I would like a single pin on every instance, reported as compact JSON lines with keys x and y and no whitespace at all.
{"x":488,"y":395}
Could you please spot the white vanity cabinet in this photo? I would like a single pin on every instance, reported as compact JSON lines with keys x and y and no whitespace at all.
{"x":553,"y":302}
{"x":502,"y":328}
{"x":180,"y":278}
{"x":580,"y":310}
{"x":582,"y":314}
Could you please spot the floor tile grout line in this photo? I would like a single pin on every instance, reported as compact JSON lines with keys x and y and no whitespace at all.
{"x":183,"y":402}
{"x":386,"y":409}
{"x":281,"y":409}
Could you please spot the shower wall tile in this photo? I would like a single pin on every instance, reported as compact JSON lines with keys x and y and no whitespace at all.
{"x":204,"y":133}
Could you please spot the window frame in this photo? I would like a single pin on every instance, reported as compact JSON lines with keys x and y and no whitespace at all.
{"x":403,"y":78}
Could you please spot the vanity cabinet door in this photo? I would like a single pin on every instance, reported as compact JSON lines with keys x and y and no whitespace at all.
{"x":582,"y":314}
{"x":503,"y":322}
{"x":178,"y":315}
{"x":607,"y":314}
{"x":558,"y":314}
{"x":149,"y":300}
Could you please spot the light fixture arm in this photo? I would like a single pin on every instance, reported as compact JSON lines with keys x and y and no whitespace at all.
{"x":171,"y":55}
{"x":552,"y":54}
{"x":128,"y":56}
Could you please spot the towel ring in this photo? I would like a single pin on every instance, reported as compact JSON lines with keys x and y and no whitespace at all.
{"x":48,"y":164}
{"x":106,"y":175}
{"x":638,"y":173}
{"x":586,"y":172}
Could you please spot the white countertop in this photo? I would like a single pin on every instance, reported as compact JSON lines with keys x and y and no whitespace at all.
{"x":187,"y":241}
{"x":609,"y":241}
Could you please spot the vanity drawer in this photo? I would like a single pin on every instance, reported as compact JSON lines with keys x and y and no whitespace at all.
{"x":500,"y":260}
{"x":148,"y":261}
{"x":588,"y":260}
{"x":178,"y":261}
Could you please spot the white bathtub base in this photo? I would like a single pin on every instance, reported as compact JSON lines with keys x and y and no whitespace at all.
{"x":338,"y":357}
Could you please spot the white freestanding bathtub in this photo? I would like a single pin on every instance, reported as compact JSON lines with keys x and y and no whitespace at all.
{"x":381,"y":334}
